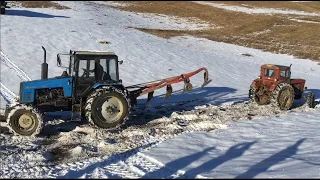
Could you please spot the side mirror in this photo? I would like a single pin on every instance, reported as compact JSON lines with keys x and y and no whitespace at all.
{"x":58,"y":60}
{"x":120,"y":62}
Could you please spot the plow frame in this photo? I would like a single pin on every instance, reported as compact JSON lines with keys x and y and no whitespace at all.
{"x":150,"y":87}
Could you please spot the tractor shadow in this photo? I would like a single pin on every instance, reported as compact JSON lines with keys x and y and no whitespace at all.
{"x":27,"y":13}
{"x":57,"y":122}
{"x":142,"y":114}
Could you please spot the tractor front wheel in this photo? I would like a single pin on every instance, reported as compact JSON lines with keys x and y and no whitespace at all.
{"x":283,"y":96}
{"x":107,"y":108}
{"x":24,"y":121}
{"x":259,"y":95}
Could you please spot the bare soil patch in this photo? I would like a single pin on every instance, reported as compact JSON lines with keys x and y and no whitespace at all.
{"x":276,"y":33}
{"x":38,"y":4}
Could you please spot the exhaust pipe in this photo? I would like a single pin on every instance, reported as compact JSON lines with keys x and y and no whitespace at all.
{"x":44,"y":66}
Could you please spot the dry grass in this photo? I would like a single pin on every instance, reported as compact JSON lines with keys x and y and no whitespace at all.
{"x":273,"y":33}
{"x":40,"y":4}
{"x":310,"y":7}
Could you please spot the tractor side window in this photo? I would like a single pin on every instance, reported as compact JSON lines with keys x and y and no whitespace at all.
{"x":91,"y":68}
{"x":113,"y":69}
{"x":102,"y":74}
{"x":268,"y":72}
{"x":283,"y":74}
{"x":72,"y":67}
{"x":288,"y":74}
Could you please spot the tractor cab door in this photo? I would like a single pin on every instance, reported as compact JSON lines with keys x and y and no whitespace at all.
{"x":285,"y":75}
{"x":85,"y":76}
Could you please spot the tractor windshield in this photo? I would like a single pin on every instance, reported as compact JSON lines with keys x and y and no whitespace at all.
{"x":98,"y":68}
{"x":268,"y":72}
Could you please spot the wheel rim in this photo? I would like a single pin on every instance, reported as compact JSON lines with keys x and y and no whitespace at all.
{"x":111,"y":109}
{"x":285,"y":99}
{"x":26,"y":122}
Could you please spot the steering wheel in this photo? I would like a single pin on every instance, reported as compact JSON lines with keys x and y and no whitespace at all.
{"x":86,"y":72}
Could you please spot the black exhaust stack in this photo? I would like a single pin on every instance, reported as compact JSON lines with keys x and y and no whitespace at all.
{"x":44,"y":66}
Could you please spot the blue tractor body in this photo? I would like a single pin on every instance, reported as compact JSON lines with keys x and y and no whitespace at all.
{"x":28,"y":88}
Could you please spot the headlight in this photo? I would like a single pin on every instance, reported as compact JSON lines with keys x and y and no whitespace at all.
{"x":275,"y":80}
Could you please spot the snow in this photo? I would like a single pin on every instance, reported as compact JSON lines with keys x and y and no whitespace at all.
{"x":184,"y":136}
{"x":275,"y":147}
{"x":256,"y":10}
{"x":299,"y":20}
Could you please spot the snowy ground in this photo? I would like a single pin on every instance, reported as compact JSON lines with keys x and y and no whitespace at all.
{"x":182,"y":137}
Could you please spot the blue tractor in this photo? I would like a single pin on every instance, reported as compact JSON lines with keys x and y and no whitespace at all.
{"x":90,"y":87}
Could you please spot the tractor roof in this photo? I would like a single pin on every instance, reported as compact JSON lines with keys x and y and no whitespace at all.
{"x":274,"y":66}
{"x":93,"y":52}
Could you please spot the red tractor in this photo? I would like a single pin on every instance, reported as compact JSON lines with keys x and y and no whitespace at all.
{"x":275,"y":86}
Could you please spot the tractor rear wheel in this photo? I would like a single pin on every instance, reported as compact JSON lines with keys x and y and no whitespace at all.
{"x":107,"y":108}
{"x":24,"y":121}
{"x":283,"y":96}
{"x":311,"y":100}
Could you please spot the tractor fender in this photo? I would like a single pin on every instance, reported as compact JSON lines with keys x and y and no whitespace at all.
{"x":97,"y":85}
{"x":256,"y":83}
{"x":117,"y":85}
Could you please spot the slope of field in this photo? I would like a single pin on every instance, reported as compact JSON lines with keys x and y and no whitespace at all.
{"x":279,"y":27}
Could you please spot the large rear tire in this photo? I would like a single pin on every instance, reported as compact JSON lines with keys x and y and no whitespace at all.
{"x":283,"y":96}
{"x":311,"y":100}
{"x":107,"y":108}
{"x":24,"y":121}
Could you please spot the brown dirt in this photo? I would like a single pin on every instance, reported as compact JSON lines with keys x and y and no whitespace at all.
{"x":273,"y":33}
{"x":40,"y":4}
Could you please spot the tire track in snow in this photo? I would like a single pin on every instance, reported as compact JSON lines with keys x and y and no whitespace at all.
{"x":8,"y":95}
{"x":21,"y":74}
{"x":149,"y":165}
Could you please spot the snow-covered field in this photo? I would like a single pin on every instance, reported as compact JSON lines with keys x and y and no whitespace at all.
{"x":210,"y":132}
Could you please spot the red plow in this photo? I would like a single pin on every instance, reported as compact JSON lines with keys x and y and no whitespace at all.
{"x":150,"y":87}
